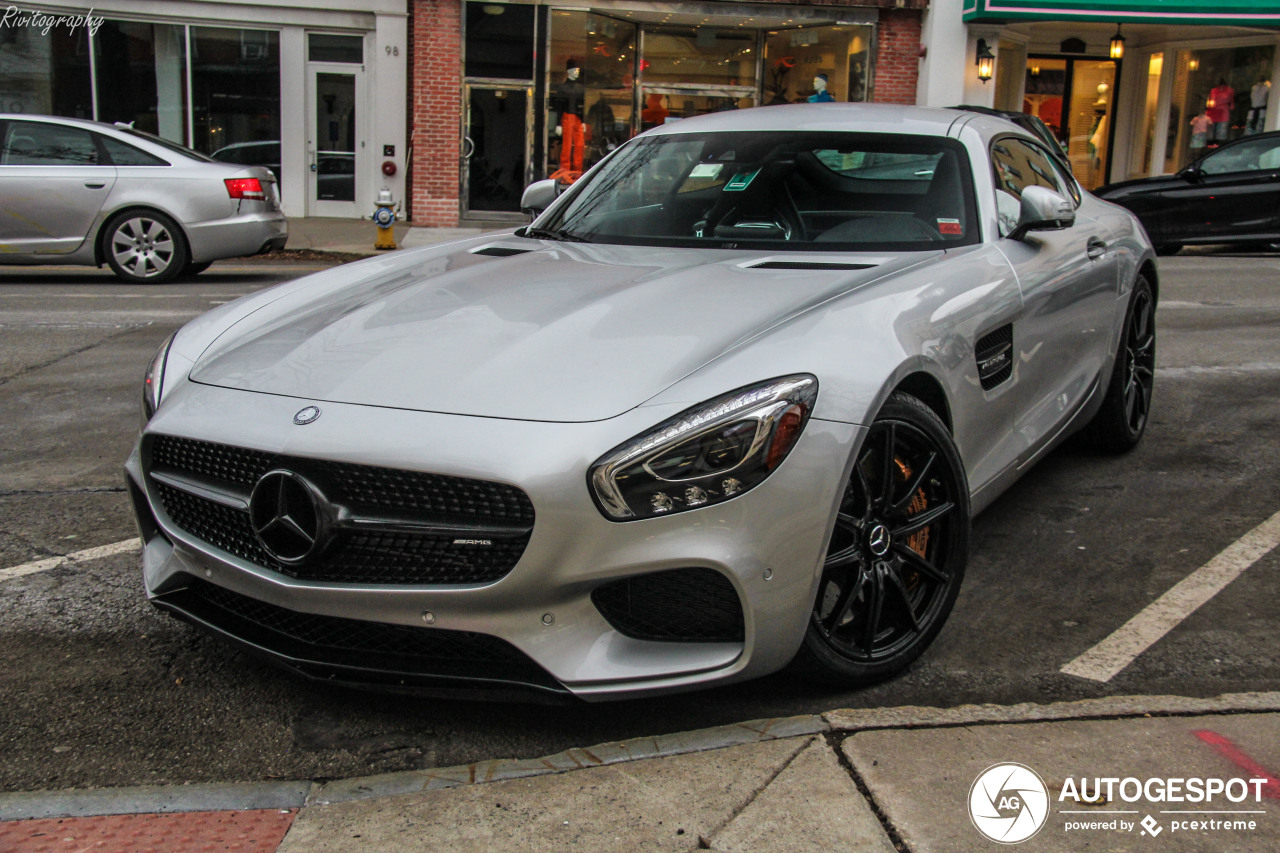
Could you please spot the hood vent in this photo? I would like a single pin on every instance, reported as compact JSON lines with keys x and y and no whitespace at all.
{"x":809,"y":265}
{"x":499,"y":251}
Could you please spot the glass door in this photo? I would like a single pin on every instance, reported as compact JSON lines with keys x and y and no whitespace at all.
{"x":496,"y":147}
{"x":333,"y":141}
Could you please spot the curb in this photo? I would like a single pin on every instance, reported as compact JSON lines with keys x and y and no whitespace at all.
{"x":154,"y":799}
{"x":293,"y":795}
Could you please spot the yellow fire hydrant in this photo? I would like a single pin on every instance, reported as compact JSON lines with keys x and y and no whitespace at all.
{"x":385,"y":217}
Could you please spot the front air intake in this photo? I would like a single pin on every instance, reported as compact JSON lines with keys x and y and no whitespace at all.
{"x":694,"y":605}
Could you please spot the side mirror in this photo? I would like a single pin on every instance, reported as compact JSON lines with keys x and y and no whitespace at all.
{"x":1191,"y":173}
{"x":538,"y":196}
{"x":1043,"y":210}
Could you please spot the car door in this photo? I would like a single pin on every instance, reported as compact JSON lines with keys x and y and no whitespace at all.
{"x":53,"y":182}
{"x":1069,"y":280}
{"x":1233,"y":192}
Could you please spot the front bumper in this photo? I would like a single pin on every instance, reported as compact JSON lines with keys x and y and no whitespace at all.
{"x":768,"y":543}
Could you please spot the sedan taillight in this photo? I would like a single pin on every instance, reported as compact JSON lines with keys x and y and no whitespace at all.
{"x":245,"y":188}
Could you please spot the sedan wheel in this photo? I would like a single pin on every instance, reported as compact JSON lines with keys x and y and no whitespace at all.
{"x":897,"y":554}
{"x":1121,"y":421}
{"x":144,"y":247}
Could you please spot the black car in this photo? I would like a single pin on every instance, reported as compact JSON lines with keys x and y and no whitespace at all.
{"x":1229,"y":195}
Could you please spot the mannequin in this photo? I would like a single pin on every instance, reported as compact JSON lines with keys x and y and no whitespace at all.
{"x":1258,"y":96}
{"x":1222,"y":100}
{"x":567,"y":101}
{"x":821,"y":95}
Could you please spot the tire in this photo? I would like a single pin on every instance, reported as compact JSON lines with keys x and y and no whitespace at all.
{"x":193,"y":270}
{"x":144,"y":247}
{"x":1119,"y":424}
{"x":897,"y":554}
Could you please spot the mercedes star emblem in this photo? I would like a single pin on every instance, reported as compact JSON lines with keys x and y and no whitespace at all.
{"x":289,"y":517}
{"x":307,"y":415}
{"x":879,"y":540}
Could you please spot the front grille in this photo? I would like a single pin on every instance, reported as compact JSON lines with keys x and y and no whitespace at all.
{"x":308,"y":641}
{"x":355,"y":555}
{"x":679,"y":605}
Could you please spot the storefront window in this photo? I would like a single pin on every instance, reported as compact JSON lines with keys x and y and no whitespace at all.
{"x":45,"y":73}
{"x":707,"y":56}
{"x":1218,"y":95}
{"x":590,"y":90}
{"x":1074,"y":98}
{"x":141,"y":76}
{"x":795,"y":61}
{"x":499,"y":41}
{"x":235,"y":88}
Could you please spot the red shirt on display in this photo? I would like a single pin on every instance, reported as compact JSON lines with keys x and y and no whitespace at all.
{"x":1221,"y":101}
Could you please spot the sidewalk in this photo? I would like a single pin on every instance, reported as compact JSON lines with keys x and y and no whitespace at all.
{"x":357,"y":236}
{"x":866,"y":780}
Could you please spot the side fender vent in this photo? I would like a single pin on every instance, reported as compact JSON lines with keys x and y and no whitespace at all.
{"x":499,"y":251}
{"x":994,"y":354}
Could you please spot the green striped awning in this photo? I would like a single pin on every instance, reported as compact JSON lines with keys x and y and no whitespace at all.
{"x":1245,"y":13}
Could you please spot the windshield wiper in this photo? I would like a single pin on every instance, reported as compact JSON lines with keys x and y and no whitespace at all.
{"x":554,"y":234}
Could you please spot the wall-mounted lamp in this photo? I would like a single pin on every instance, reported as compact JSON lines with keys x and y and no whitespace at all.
{"x":985,"y":60}
{"x":1117,"y":45}
{"x":1035,"y":70}
{"x":1193,"y":64}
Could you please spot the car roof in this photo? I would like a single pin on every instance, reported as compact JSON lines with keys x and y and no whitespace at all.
{"x":864,"y":118}
{"x":139,"y":141}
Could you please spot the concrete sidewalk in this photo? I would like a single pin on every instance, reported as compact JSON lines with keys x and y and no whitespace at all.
{"x":357,"y":236}
{"x":909,"y":779}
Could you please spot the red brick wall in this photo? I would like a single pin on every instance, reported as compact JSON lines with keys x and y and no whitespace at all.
{"x":897,"y":58}
{"x":435,"y":119}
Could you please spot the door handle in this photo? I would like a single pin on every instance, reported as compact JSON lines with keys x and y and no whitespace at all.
{"x":95,"y":185}
{"x":470,"y":147}
{"x":1095,"y":248}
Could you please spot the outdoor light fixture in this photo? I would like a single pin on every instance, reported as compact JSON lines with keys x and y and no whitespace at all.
{"x":1117,"y":44}
{"x":1193,"y":64}
{"x":985,"y":60}
{"x":1035,"y":70}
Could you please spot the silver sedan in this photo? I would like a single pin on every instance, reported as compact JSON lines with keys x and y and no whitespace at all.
{"x":83,"y":192}
{"x":727,"y":405}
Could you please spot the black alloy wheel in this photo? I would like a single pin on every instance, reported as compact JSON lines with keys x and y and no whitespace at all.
{"x":898,"y":552}
{"x":1120,"y":423}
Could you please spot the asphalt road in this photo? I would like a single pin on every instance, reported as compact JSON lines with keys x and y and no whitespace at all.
{"x":98,"y":689}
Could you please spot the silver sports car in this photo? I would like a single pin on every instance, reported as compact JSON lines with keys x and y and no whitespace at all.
{"x":727,"y":405}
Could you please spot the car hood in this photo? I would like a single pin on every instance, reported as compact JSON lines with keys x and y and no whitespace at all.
{"x":558,"y":332}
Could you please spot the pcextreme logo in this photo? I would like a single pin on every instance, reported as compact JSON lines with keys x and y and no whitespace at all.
{"x":1009,"y":803}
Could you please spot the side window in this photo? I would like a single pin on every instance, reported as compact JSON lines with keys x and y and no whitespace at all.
{"x":124,"y":154}
{"x":1016,"y":165}
{"x":36,"y":144}
{"x":1256,"y":155}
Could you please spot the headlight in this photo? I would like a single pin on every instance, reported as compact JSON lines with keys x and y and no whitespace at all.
{"x":152,"y":383}
{"x":707,"y":454}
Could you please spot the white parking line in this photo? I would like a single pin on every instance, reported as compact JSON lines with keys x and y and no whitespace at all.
{"x":78,"y":557}
{"x":1106,"y":659}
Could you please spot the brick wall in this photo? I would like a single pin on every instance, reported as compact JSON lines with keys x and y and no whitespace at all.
{"x":897,"y":60}
{"x":435,"y":117}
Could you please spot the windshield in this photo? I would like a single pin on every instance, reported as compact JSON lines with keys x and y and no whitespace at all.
{"x":781,"y":190}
